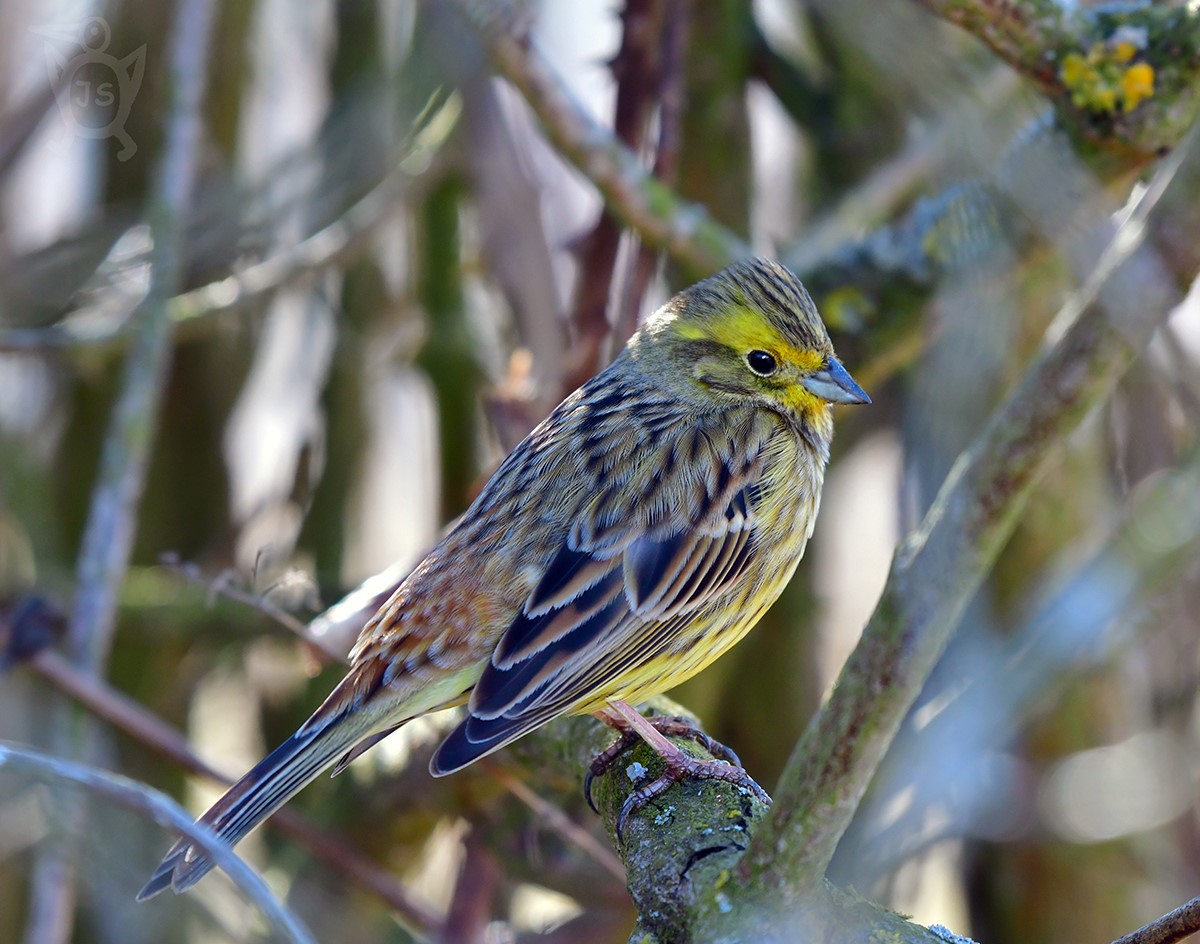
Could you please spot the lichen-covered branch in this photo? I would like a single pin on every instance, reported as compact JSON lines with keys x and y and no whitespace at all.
{"x":681,"y":851}
{"x":1125,"y":77}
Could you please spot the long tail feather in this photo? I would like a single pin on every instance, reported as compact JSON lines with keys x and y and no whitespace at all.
{"x":274,"y":781}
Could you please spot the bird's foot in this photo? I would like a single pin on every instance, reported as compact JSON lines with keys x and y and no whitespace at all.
{"x":679,"y":765}
{"x":668,"y":726}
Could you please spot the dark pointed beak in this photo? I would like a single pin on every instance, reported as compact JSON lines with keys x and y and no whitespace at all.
{"x":833,"y":383}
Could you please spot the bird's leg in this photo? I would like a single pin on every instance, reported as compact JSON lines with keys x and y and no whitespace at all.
{"x":654,"y":731}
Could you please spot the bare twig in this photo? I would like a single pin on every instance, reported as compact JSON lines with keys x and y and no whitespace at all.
{"x":113,"y":514}
{"x":1183,"y":922}
{"x":340,"y":240}
{"x":550,"y":815}
{"x":662,"y":219}
{"x":636,"y":69}
{"x":320,"y":647}
{"x":471,"y":905}
{"x":666,"y":159}
{"x":166,"y":812}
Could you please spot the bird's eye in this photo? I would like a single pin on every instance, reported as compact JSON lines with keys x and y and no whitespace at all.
{"x":762,"y":363}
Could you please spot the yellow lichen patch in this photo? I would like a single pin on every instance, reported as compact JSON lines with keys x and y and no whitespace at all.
{"x":1137,"y":83}
{"x":1107,"y":79}
{"x":1124,"y":51}
{"x":1075,"y":71}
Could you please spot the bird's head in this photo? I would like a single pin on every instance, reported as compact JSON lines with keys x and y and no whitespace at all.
{"x":752,"y":332}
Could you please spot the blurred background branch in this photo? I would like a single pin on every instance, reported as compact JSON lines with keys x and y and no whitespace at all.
{"x":112,"y":518}
{"x":415,"y":226}
{"x":164,"y":811}
{"x":939,"y":567}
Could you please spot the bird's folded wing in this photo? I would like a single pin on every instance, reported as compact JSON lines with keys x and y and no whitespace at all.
{"x":611,"y":599}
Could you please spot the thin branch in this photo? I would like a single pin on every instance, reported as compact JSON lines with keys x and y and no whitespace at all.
{"x":1183,"y":922}
{"x":935,"y":573}
{"x":166,"y":812}
{"x":636,"y":69}
{"x":131,"y":717}
{"x":113,"y":514}
{"x":112,"y":517}
{"x":1051,"y":648}
{"x":135,"y":720}
{"x":663,"y":220}
{"x":336,"y":243}
{"x":320,"y":647}
{"x":471,"y":903}
{"x":339,"y":242}
{"x":671,"y":95}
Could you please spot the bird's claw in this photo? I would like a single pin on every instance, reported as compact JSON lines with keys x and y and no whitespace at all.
{"x":603,"y":761}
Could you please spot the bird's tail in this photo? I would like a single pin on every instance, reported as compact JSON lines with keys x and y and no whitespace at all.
{"x":272,"y":782}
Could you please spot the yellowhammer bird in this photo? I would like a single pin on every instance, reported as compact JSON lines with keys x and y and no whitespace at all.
{"x":632,"y":538}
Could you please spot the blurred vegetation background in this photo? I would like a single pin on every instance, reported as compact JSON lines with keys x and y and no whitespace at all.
{"x":390,"y":270}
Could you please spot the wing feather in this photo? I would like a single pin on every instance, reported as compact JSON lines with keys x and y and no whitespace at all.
{"x":614,"y":595}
